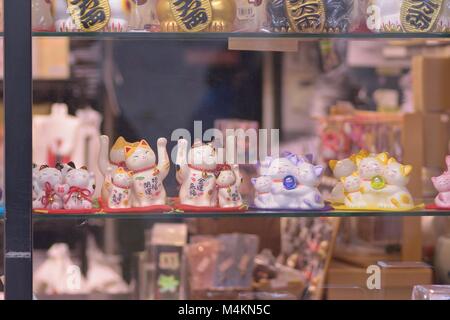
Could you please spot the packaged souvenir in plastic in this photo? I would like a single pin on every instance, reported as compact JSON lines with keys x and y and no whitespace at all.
{"x":289,"y":182}
{"x":207,"y":15}
{"x":378,"y":183}
{"x":250,"y":15}
{"x":409,"y":16}
{"x":42,"y":18}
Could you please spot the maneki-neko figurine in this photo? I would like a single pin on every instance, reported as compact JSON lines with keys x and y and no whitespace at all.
{"x":313,"y":16}
{"x":411,"y":15}
{"x":196,"y":16}
{"x":379,"y":182}
{"x":206,"y":185}
{"x":289,"y":182}
{"x":442,"y":185}
{"x":63,"y":189}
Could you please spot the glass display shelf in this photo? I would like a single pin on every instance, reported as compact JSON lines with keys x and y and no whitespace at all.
{"x":246,"y":214}
{"x":227,"y":35}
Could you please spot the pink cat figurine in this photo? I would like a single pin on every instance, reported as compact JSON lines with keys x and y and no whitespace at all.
{"x":442,"y":185}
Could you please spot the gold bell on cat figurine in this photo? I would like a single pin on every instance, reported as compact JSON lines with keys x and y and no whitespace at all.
{"x":196,"y":15}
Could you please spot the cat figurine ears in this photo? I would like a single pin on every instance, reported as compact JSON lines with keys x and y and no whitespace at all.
{"x":129,"y":149}
{"x":295,"y":159}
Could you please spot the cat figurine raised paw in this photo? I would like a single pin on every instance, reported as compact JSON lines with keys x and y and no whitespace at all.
{"x":120,"y":189}
{"x":148,"y":177}
{"x":196,"y":173}
{"x":46,"y":180}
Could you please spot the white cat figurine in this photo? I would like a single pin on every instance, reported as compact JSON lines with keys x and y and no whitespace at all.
{"x":110,"y":160}
{"x":148,"y":177}
{"x":45,"y":183}
{"x":78,"y":188}
{"x":228,"y":183}
{"x":397,"y":195}
{"x":120,"y":189}
{"x":196,"y":173}
{"x":308,"y":176}
{"x":352,"y":189}
{"x":263,"y":195}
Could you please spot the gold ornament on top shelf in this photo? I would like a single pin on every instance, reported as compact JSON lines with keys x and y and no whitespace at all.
{"x":420,"y":15}
{"x":306,"y":15}
{"x":89,"y":15}
{"x":196,"y":15}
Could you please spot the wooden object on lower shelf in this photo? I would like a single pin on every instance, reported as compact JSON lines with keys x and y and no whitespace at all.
{"x":263,"y":44}
{"x":397,"y":279}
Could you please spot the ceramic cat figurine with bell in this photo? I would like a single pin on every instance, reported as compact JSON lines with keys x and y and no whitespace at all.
{"x":110,"y":161}
{"x":120,"y":189}
{"x":78,"y":188}
{"x":46,"y":181}
{"x":379,"y":182}
{"x":206,"y":15}
{"x":228,"y":183}
{"x":289,"y":182}
{"x":196,"y":171}
{"x":442,"y":185}
{"x":148,"y":176}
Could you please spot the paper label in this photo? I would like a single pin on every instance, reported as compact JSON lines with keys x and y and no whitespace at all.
{"x":245,"y":10}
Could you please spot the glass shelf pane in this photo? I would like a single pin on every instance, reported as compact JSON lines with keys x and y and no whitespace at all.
{"x":226,"y":35}
{"x":248,"y":214}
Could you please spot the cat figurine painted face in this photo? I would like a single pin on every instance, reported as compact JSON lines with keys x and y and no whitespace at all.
{"x":352,"y":183}
{"x":46,"y":181}
{"x":308,"y":174}
{"x":280,"y":168}
{"x":117,"y":153}
{"x":397,"y":174}
{"x":203,"y":156}
{"x":442,"y":185}
{"x":148,"y":188}
{"x":372,"y":166}
{"x":140,"y":156}
{"x":119,"y":189}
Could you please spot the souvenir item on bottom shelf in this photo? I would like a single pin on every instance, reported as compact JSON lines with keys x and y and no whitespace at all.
{"x":410,"y":16}
{"x":119,"y":189}
{"x":378,"y":183}
{"x":206,"y":15}
{"x":46,"y":180}
{"x":148,"y":177}
{"x":228,"y":183}
{"x":289,"y":182}
{"x":78,"y":188}
{"x":42,"y":19}
{"x":442,"y":185}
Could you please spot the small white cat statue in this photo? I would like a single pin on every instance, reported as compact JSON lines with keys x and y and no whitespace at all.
{"x":78,"y":188}
{"x":148,"y":177}
{"x":397,"y":195}
{"x":45,"y":183}
{"x":196,"y":171}
{"x":263,"y":195}
{"x":228,"y":183}
{"x":120,"y":189}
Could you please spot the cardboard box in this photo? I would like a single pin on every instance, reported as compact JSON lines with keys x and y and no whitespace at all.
{"x":431,"y":76}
